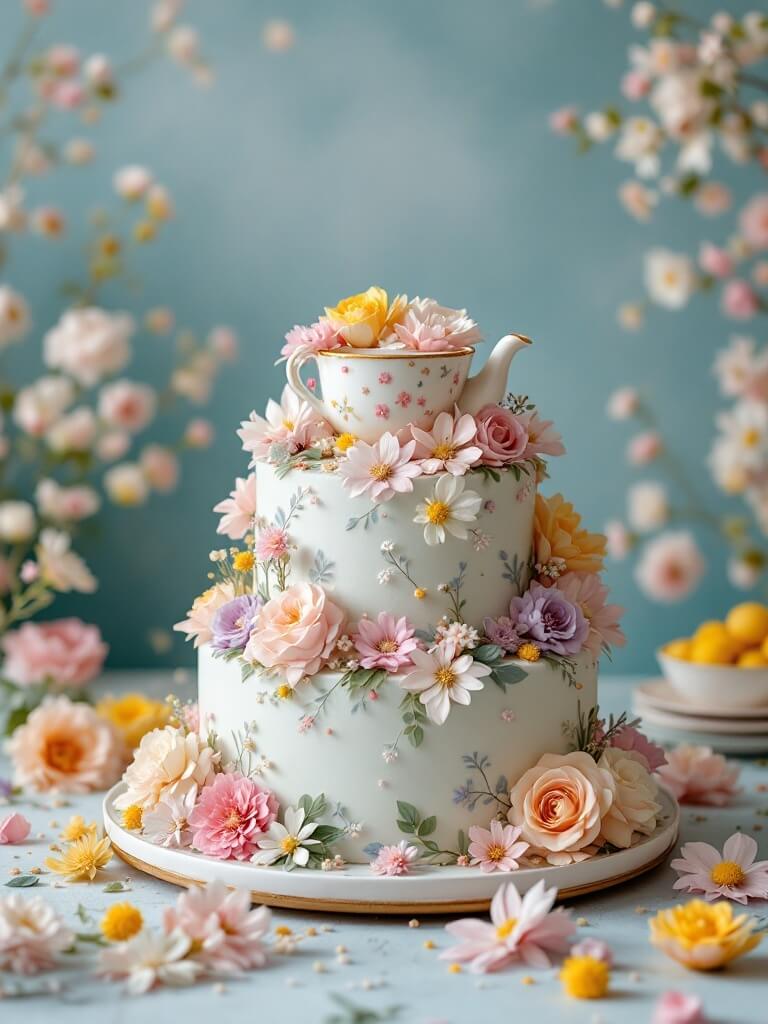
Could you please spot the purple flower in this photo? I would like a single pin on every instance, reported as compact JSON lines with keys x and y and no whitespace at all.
{"x":233,"y":622}
{"x":545,"y":616}
{"x":503,"y":632}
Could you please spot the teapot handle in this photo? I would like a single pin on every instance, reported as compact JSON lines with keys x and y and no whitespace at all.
{"x":295,"y":362}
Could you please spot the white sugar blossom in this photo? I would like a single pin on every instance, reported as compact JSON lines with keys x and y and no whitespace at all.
{"x":150,"y":959}
{"x":440,"y":678}
{"x":448,"y":509}
{"x":291,"y":841}
{"x":385,"y":576}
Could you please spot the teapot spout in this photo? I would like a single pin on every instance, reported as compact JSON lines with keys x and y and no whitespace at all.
{"x":489,"y":386}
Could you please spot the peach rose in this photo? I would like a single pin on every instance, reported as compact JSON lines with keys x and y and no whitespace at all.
{"x":67,"y":747}
{"x":296,"y":631}
{"x":166,"y":762}
{"x":560,"y":805}
{"x":65,"y":653}
{"x":561,"y":544}
{"x":634,"y":808}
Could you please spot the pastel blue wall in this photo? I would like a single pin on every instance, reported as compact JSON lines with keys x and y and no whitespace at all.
{"x":400,"y":143}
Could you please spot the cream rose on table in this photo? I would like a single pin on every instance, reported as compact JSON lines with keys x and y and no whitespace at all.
{"x":560,"y":805}
{"x":166,"y":762}
{"x":364,"y":319}
{"x":296,"y":631}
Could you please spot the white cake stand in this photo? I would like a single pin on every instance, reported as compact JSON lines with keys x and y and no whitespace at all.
{"x":356,"y":890}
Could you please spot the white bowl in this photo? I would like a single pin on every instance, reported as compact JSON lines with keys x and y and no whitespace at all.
{"x":715,"y":686}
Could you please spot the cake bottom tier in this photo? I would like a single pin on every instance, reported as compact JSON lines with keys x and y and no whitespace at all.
{"x":323,"y":739}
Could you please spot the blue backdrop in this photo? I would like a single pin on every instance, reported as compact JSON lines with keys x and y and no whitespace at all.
{"x":404,"y":144}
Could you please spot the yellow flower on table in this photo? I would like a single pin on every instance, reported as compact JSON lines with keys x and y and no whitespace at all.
{"x":366,"y":318}
{"x":704,"y":936}
{"x":121,"y":922}
{"x":76,"y":828}
{"x":561,"y":544}
{"x":585,"y":977}
{"x":83,"y":859}
{"x":134,"y":715}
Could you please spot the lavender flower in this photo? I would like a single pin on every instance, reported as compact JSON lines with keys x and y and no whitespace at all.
{"x":545,"y":616}
{"x":503,"y":632}
{"x":233,"y":622}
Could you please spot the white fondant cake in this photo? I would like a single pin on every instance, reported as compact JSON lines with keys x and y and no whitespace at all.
{"x":398,"y":650}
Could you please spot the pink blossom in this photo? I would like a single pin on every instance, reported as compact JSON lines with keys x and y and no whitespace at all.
{"x":595,"y":948}
{"x":238,"y":510}
{"x":63,"y":59}
{"x":644,"y":448}
{"x":496,"y":848}
{"x":291,"y":422}
{"x":543,"y":439}
{"x":14,"y":828}
{"x":715,"y":261}
{"x":127,"y":405}
{"x":733,"y":874}
{"x":711,"y":198}
{"x":448,"y":446}
{"x":132,"y":182}
{"x":678,"y":1008}
{"x":271,"y":544}
{"x":586,"y":591}
{"x":522,"y":929}
{"x":88,"y":343}
{"x":48,"y":221}
{"x":385,"y":644}
{"x":29,"y":571}
{"x":618,"y":538}
{"x":199,"y":620}
{"x":623,"y":403}
{"x":113,"y":445}
{"x":31,"y":935}
{"x":404,"y":399}
{"x":739,"y":300}
{"x":697,"y":775}
{"x":753,"y":221}
{"x":66,"y":504}
{"x":635,"y":85}
{"x":199,"y":433}
{"x":564,"y":120}
{"x":632,"y":739}
{"x":429,"y":327}
{"x":160,"y":466}
{"x":223,"y":341}
{"x":230,"y":817}
{"x":318,"y":337}
{"x":65,"y":653}
{"x":380,"y":470}
{"x":382,"y":410}
{"x":670,"y":566}
{"x":225,"y":934}
{"x":395,"y":860}
{"x":385,"y":377}
{"x":501,"y":436}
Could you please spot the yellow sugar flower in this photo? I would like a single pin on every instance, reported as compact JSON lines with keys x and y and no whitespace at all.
{"x":560,"y":543}
{"x":243,"y":561}
{"x":529,"y":652}
{"x":133,"y":818}
{"x":344,"y":442}
{"x":585,"y":977}
{"x":133,"y":715}
{"x":366,"y":318}
{"x":82,"y":859}
{"x":76,"y":828}
{"x":121,"y":922}
{"x":703,"y":936}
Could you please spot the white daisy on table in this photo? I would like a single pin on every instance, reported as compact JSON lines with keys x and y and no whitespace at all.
{"x":447,"y":510}
{"x":289,"y":841}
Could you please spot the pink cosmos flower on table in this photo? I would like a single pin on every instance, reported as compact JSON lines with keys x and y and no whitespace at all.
{"x":14,"y":828}
{"x":291,"y":422}
{"x":440,"y":678}
{"x":226,"y":935}
{"x":298,"y":629}
{"x":678,"y":1008}
{"x":317,"y":337}
{"x":522,"y":929}
{"x":733,"y":874}
{"x":543,"y":439}
{"x":65,"y":653}
{"x":238,"y":510}
{"x":448,"y":446}
{"x":395,"y":860}
{"x":697,"y":775}
{"x":430,"y":327}
{"x":586,"y":591}
{"x":386,"y":643}
{"x":31,"y":935}
{"x":380,"y":470}
{"x":232,"y":814}
{"x":496,"y":848}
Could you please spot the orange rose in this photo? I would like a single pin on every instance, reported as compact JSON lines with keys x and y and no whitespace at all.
{"x":560,"y":545}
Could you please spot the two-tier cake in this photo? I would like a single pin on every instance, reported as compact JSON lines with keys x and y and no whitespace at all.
{"x":398,"y":650}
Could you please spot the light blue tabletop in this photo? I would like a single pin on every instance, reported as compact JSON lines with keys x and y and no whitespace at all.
{"x":378,"y":963}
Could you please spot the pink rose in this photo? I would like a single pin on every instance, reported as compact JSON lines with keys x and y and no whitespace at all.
{"x":296,"y":631}
{"x":739,"y":301}
{"x":66,"y":653}
{"x":500,"y":435}
{"x":14,"y":829}
{"x":560,"y":804}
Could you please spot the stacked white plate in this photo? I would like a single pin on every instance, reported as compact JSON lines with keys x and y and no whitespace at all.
{"x":670,"y":718}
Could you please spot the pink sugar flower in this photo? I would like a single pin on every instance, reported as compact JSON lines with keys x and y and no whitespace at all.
{"x":14,"y":829}
{"x":697,"y":775}
{"x":678,"y":1008}
{"x":233,"y":813}
{"x":586,"y":591}
{"x":496,"y":848}
{"x":522,"y":929}
{"x":271,"y":544}
{"x":449,"y":446}
{"x":395,"y":860}
{"x":733,"y":874}
{"x":404,"y":399}
{"x":237,"y":511}
{"x":632,"y":739}
{"x":380,"y":470}
{"x":543,"y":439}
{"x":291,"y":422}
{"x":386,"y":643}
{"x":318,"y":337}
{"x":739,"y":300}
{"x":429,"y":327}
{"x":382,"y":410}
{"x":385,"y":378}
{"x":595,"y":948}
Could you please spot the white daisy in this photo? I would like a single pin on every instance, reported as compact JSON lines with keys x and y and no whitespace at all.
{"x":439,"y":677}
{"x":168,"y":823}
{"x":447,"y":509}
{"x":150,"y":959}
{"x":289,"y":841}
